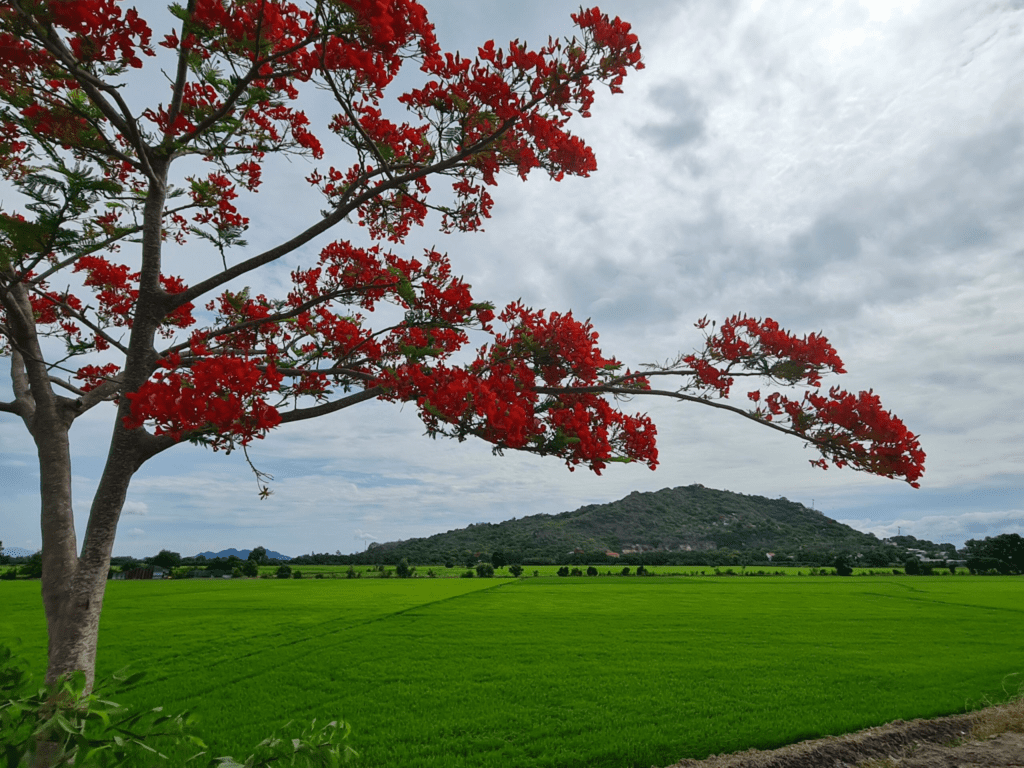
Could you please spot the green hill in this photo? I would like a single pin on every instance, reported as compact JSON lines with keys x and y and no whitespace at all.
{"x":691,"y":523}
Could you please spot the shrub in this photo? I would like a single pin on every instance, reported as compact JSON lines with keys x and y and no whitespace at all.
{"x":297,"y":574}
{"x":431,"y":574}
{"x":591,"y":570}
{"x":284,"y":572}
{"x":318,"y":576}
{"x":484,"y":570}
{"x":641,"y":571}
{"x":402,"y":570}
{"x":536,"y":574}
{"x":843,"y":567}
{"x":236,"y":573}
{"x":625,"y":571}
{"x":912,"y":567}
{"x":563,"y":571}
{"x":516,"y":570}
{"x":449,"y":563}
{"x":10,"y":574}
{"x":250,"y":568}
{"x":576,"y":572}
{"x":351,"y":572}
{"x":467,"y":575}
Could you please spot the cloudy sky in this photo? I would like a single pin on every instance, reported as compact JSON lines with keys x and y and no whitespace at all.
{"x":854,"y":168}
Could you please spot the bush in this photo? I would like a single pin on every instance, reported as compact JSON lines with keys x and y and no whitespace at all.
{"x":563,"y":571}
{"x":351,"y":572}
{"x":591,"y":570}
{"x":467,"y":575}
{"x":237,"y":573}
{"x":9,"y":575}
{"x":90,"y":730}
{"x":625,"y":571}
{"x":402,"y":570}
{"x":284,"y":572}
{"x":297,"y":575}
{"x":516,"y":570}
{"x":842,"y":567}
{"x":641,"y":571}
{"x":318,"y":576}
{"x":484,"y":570}
{"x":250,"y":568}
{"x":575,"y":572}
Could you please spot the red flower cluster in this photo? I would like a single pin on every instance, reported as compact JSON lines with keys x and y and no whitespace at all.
{"x":217,"y":399}
{"x":847,"y":429}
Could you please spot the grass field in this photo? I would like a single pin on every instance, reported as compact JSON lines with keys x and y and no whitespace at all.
{"x":553,"y":671}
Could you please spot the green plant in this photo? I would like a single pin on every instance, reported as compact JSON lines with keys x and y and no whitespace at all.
{"x":484,"y":570}
{"x":9,"y":575}
{"x":467,"y":575}
{"x":563,"y":571}
{"x":297,"y":574}
{"x":591,"y":570}
{"x":402,"y":570}
{"x":516,"y":570}
{"x":90,"y":731}
{"x":284,"y":572}
{"x":625,"y":571}
{"x":575,"y":572}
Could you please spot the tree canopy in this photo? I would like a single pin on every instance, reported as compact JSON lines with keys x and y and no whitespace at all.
{"x":112,"y":177}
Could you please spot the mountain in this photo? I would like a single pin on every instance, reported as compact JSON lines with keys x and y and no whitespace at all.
{"x":16,"y":552}
{"x":242,"y":553}
{"x":691,"y":519}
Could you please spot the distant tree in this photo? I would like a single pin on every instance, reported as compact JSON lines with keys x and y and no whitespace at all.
{"x":563,"y":571}
{"x":296,"y":574}
{"x":167,"y":559}
{"x":641,"y":571}
{"x":33,"y":567}
{"x":284,"y":572}
{"x":471,"y":561}
{"x":982,"y":565}
{"x":591,"y":570}
{"x":4,"y":558}
{"x":575,"y":572}
{"x":402,"y":570}
{"x":516,"y":570}
{"x":1006,"y":547}
{"x":842,"y":566}
{"x":484,"y":570}
{"x":625,"y":571}
{"x":258,"y":556}
{"x":449,"y":563}
{"x":351,"y":572}
{"x":912,"y":566}
{"x":878,"y":558}
{"x":9,"y":575}
{"x":498,"y":559}
{"x":250,"y":568}
{"x":952,"y":568}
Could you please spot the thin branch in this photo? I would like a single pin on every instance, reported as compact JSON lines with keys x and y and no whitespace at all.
{"x":301,"y":414}
{"x":668,"y":393}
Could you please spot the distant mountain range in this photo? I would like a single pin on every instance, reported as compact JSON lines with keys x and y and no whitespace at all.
{"x":241,"y":553}
{"x":690,"y":519}
{"x":16,"y":552}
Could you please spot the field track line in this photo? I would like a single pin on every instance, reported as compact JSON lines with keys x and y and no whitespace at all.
{"x":307,"y":637}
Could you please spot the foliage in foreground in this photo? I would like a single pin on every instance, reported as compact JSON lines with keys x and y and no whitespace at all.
{"x":87,"y":729}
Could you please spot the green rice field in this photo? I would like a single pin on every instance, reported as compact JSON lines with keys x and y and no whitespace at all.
{"x":549,"y":671}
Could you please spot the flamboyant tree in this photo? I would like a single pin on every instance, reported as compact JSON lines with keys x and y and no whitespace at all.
{"x":88,"y":316}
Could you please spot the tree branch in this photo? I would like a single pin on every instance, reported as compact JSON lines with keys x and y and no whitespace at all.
{"x":301,"y":414}
{"x":667,"y":393}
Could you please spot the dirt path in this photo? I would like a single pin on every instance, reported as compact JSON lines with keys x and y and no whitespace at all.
{"x":990,"y":738}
